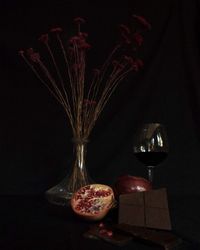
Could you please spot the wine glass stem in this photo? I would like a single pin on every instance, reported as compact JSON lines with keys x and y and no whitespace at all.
{"x":150,"y":173}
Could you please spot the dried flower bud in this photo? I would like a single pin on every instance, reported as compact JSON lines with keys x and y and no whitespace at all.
{"x":56,"y":30}
{"x":80,"y":42}
{"x":34,"y":56}
{"x":29,"y":51}
{"x":135,"y":65}
{"x":83,"y":35}
{"x":21,"y":52}
{"x":44,"y":38}
{"x":128,"y":59}
{"x":143,"y":21}
{"x":79,"y":20}
{"x":138,"y":38}
{"x":74,"y":39}
{"x":84,"y":46}
{"x":117,"y":65}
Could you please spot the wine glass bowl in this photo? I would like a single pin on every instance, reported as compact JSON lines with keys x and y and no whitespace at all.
{"x":151,"y":146}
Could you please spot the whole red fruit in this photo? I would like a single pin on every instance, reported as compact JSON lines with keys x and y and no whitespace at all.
{"x":128,"y":184}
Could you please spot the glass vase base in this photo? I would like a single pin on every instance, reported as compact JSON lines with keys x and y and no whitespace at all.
{"x":61,"y":194}
{"x":78,"y":177}
{"x":58,"y":196}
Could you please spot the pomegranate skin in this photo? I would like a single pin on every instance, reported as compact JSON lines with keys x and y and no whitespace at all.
{"x":93,"y":202}
{"x":127,"y":184}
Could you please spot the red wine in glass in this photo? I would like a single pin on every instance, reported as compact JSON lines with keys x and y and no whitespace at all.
{"x":151,"y":146}
{"x":151,"y":158}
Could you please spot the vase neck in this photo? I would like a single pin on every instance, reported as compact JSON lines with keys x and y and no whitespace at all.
{"x":80,"y":148}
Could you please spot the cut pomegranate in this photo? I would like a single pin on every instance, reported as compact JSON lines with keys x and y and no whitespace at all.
{"x":93,"y":202}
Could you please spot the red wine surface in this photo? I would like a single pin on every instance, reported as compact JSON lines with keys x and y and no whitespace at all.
{"x":151,"y":158}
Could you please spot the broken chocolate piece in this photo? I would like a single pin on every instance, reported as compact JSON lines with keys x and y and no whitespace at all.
{"x":162,"y":238}
{"x":109,"y":235}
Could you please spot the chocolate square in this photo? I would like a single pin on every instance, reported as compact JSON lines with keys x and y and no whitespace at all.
{"x":145,"y":209}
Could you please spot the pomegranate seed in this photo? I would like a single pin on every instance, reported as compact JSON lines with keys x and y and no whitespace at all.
{"x":101,"y":225}
{"x":103,"y":232}
{"x":109,"y":233}
{"x":106,"y":232}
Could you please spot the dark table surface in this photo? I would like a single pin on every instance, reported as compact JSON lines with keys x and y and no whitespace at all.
{"x":30,"y":222}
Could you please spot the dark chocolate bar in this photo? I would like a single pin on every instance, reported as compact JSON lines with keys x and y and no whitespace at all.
{"x":166,"y":239}
{"x":145,"y":209}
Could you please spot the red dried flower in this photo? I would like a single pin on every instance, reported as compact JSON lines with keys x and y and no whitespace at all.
{"x":34,"y":56}
{"x":143,"y":21}
{"x":117,"y":65}
{"x":79,"y":20}
{"x":138,"y":38}
{"x":128,"y":59}
{"x":56,"y":30}
{"x":74,"y":39}
{"x":21,"y":52}
{"x":80,"y":42}
{"x":84,"y":45}
{"x":137,"y":64}
{"x":83,"y":35}
{"x":29,"y":51}
{"x":44,"y":38}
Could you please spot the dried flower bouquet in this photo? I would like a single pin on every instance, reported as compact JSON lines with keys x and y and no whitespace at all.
{"x":83,"y":98}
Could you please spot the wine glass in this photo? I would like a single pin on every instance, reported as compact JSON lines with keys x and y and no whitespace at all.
{"x":151,"y":146}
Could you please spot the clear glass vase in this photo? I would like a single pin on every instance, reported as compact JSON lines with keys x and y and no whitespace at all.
{"x":77,"y":177}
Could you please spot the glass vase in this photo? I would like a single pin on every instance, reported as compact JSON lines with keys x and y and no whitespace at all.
{"x":77,"y":177}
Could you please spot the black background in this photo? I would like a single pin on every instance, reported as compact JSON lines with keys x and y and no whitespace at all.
{"x":35,"y":136}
